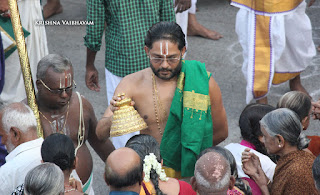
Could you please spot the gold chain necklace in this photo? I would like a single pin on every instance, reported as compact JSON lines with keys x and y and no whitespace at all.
{"x":65,"y":121}
{"x":156,"y":101}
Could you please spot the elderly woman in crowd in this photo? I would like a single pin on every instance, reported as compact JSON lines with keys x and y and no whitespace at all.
{"x":252,"y":137}
{"x":300,"y":103}
{"x":44,"y":179}
{"x":149,"y":151}
{"x":282,"y":136}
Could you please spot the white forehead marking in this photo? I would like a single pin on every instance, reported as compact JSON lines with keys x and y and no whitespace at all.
{"x":166,"y":51}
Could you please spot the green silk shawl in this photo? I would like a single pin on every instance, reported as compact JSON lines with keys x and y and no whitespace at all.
{"x":189,"y":127}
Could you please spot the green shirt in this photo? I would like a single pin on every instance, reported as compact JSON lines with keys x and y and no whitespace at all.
{"x":127,"y":24}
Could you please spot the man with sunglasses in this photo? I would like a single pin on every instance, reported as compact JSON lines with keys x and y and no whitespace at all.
{"x":178,"y":99}
{"x":64,"y":111}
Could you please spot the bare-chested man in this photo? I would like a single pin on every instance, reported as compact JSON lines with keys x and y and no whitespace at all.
{"x":60,"y":112}
{"x":155,"y":92}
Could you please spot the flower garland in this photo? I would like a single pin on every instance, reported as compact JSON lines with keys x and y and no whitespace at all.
{"x":150,"y":162}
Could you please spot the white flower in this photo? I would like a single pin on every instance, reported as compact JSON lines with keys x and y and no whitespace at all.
{"x":150,"y":162}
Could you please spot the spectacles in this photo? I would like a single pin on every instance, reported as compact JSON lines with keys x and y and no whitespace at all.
{"x":158,"y":61}
{"x":61,"y":90}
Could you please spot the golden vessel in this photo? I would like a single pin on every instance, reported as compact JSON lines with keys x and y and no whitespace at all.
{"x":126,"y":119}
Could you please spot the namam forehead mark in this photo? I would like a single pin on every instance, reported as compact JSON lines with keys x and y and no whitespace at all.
{"x":65,"y":79}
{"x":164,"y":48}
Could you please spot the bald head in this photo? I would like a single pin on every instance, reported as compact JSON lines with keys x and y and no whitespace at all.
{"x":123,"y":168}
{"x":212,"y":174}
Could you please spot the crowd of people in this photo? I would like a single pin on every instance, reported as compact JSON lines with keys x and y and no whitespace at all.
{"x":178,"y":99}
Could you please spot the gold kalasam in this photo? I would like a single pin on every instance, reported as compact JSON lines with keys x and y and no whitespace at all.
{"x":126,"y":119}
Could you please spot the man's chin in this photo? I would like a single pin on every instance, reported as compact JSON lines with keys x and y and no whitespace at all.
{"x":165,"y":76}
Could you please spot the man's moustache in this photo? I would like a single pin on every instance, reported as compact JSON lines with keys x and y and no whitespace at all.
{"x":164,"y":69}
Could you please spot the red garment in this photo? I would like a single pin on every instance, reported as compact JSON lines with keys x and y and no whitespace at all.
{"x":253,"y":185}
{"x":314,"y":145}
{"x":186,"y":189}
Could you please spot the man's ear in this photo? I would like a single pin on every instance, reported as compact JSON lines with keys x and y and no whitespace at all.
{"x":15,"y":136}
{"x":193,"y":183}
{"x":232,"y":182}
{"x":38,"y":83}
{"x":146,"y":49}
{"x":183,"y":51}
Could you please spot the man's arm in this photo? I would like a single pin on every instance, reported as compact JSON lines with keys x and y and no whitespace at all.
{"x":92,"y":75}
{"x":96,"y":14}
{"x":182,"y":5}
{"x":126,"y":86}
{"x":219,"y":118}
{"x":102,"y":147}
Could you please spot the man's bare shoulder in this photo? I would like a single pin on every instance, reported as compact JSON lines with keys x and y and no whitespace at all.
{"x":136,"y":77}
{"x":86,"y":105}
{"x":132,"y":83}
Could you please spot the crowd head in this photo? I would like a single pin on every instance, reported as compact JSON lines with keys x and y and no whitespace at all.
{"x":250,"y":126}
{"x":144,"y":145}
{"x":124,"y":170}
{"x":12,"y":130}
{"x":46,"y":178}
{"x":59,"y":149}
{"x":212,"y":174}
{"x":284,"y":124}
{"x":298,"y":102}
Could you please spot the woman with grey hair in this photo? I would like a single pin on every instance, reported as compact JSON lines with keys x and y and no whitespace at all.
{"x":45,"y":179}
{"x":300,"y":103}
{"x":282,"y":136}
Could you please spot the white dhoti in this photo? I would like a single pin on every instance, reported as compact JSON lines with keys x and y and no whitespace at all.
{"x":112,"y":82}
{"x":36,"y":42}
{"x":276,"y":46}
{"x":182,"y":18}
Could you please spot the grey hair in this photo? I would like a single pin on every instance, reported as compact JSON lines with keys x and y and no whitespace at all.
{"x":44,"y":179}
{"x":286,"y":123}
{"x":297,"y":101}
{"x":57,"y":62}
{"x":316,"y":172}
{"x":18,"y":115}
{"x":207,"y":186}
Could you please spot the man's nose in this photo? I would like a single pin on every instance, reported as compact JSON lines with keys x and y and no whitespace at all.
{"x":64,"y":94}
{"x":165,"y":63}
